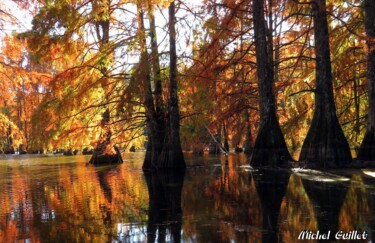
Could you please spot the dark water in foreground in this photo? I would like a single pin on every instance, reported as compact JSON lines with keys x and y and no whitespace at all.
{"x":62,"y":199}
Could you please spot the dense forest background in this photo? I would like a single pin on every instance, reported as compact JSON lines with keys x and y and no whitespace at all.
{"x":88,"y":69}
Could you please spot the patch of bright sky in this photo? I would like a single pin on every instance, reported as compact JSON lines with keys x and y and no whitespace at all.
{"x":186,"y":23}
{"x":22,"y":16}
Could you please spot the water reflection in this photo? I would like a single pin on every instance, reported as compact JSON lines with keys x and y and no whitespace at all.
{"x":355,"y":211}
{"x":327,"y":197}
{"x":271,"y":186}
{"x":74,"y":203}
{"x":224,"y":200}
{"x":164,"y":212}
{"x":296,"y":212}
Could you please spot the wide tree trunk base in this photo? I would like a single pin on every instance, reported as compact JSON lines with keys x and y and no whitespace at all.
{"x":101,"y":158}
{"x":325,"y":145}
{"x":367,"y":150}
{"x":171,"y":157}
{"x":270,"y":147}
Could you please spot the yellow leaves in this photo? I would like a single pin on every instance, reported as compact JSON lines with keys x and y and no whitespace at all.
{"x":6,"y":126}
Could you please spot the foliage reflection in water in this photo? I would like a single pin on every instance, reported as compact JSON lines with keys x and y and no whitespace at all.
{"x":53,"y":199}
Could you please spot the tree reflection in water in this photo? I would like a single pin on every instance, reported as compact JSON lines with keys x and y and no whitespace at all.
{"x":221,"y":201}
{"x":233,"y":204}
{"x":355,"y":211}
{"x":271,"y":186}
{"x":72,"y":203}
{"x":296,"y":212}
{"x":327,"y":198}
{"x":165,"y":212}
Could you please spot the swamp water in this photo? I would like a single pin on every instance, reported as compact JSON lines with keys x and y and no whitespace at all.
{"x":217,"y":199}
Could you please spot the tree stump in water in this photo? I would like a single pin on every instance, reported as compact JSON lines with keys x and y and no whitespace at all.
{"x":87,"y":151}
{"x":103,"y":155}
{"x":9,"y":150}
{"x":22,"y":149}
{"x":238,"y":149}
{"x":68,"y":152}
{"x":214,"y":148}
{"x":198,"y":152}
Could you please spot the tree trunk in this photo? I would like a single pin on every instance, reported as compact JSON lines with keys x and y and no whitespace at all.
{"x":224,"y":138}
{"x":247,"y":147}
{"x":155,"y":117}
{"x":270,"y":147}
{"x":164,"y":148}
{"x":367,"y":149}
{"x":105,"y":152}
{"x":325,"y":145}
{"x":172,"y":157}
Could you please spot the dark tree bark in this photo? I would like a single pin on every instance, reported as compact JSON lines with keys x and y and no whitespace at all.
{"x":325,"y":145}
{"x":171,"y":156}
{"x":270,"y":147}
{"x":164,"y":148}
{"x":164,"y":212}
{"x":247,"y":147}
{"x":155,"y":111}
{"x":225,"y":138}
{"x":367,"y":149}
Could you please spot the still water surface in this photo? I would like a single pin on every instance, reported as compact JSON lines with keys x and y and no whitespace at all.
{"x":218,"y":199}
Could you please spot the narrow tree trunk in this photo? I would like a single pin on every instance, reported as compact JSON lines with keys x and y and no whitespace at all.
{"x":224,"y":138}
{"x":270,"y":147}
{"x":155,"y":62}
{"x":356,"y":106}
{"x":155,"y":117}
{"x":172,"y":157}
{"x":143,"y":73}
{"x":105,"y":152}
{"x":325,"y":144}
{"x":367,"y":149}
{"x":247,"y":147}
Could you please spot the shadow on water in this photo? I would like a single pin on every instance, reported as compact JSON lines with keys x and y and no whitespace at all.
{"x":165,"y":212}
{"x":271,"y":186}
{"x":327,"y":198}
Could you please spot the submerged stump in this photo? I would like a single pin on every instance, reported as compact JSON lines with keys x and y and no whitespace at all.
{"x":9,"y":150}
{"x":104,"y":155}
